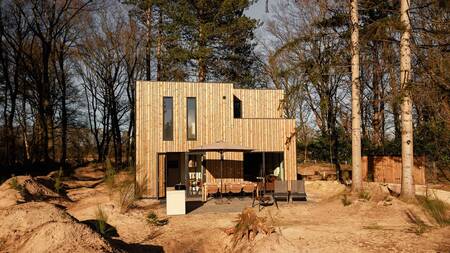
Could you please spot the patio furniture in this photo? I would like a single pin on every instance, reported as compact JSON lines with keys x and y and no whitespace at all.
{"x":270,"y":179}
{"x":221,"y":147}
{"x":249,"y":187}
{"x":280,"y":191}
{"x":298,"y":190}
{"x":210,"y":188}
{"x":233,"y":187}
{"x":261,"y":196}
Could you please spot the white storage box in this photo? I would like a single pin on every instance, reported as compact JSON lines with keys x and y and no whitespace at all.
{"x":175,"y":202}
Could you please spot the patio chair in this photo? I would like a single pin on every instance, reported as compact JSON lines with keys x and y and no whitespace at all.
{"x":210,"y":188}
{"x":249,"y":187}
{"x":280,"y":191}
{"x":233,"y":188}
{"x":298,"y":190}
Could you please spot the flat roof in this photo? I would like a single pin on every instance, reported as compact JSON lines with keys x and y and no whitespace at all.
{"x":187,"y":82}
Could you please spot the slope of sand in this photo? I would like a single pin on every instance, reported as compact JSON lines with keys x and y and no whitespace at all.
{"x":322,"y":224}
{"x":43,"y":227}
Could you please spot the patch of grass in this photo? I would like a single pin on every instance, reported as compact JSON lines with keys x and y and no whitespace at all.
{"x":58,"y":180}
{"x":436,"y":208}
{"x":419,"y":227}
{"x":153,"y":219}
{"x":101,"y":224}
{"x":248,"y":225}
{"x":373,"y":227}
{"x":365,"y":194}
{"x":345,"y":200}
{"x":110,"y":174}
{"x":14,"y":184}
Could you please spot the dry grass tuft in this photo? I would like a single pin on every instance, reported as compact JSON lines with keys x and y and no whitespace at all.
{"x":436,"y":208}
{"x":126,"y":196}
{"x":101,"y":223}
{"x":110,"y":174}
{"x":153,"y":219}
{"x":365,"y":194}
{"x":419,"y":227}
{"x":248,"y":225}
{"x":345,"y":200}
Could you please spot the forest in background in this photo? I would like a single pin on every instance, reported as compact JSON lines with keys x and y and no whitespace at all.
{"x":68,"y":70}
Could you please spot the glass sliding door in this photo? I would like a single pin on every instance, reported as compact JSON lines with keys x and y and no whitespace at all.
{"x":194,"y":174}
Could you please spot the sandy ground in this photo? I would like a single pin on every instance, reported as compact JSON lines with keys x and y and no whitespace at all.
{"x":321,"y":224}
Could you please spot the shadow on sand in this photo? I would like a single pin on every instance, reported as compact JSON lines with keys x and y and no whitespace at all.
{"x":135,"y":247}
{"x":191,"y":205}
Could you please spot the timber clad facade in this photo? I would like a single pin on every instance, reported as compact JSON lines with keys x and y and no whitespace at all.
{"x":174,"y":117}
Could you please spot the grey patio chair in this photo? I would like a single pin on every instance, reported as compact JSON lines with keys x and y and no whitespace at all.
{"x":280,"y":191}
{"x":298,"y":190}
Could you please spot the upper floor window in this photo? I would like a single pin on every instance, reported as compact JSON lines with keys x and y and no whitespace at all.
{"x":167,"y":118}
{"x":191,"y":118}
{"x":237,"y":108}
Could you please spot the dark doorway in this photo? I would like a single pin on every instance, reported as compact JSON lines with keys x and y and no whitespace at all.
{"x":253,"y":165}
{"x":174,"y":171}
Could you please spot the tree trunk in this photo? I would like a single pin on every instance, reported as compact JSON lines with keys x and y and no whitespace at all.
{"x":377,"y":118}
{"x":158,"y":48}
{"x":407,"y":188}
{"x":63,"y":84}
{"x":148,"y":46}
{"x":356,"y":111}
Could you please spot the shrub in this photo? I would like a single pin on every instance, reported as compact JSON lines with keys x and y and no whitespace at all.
{"x":436,"y":208}
{"x":153,"y":219}
{"x":346,"y":201}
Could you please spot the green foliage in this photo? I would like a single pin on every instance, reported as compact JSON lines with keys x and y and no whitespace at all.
{"x":215,"y":34}
{"x":101,"y":223}
{"x":435,"y":207}
{"x":110,"y":174}
{"x":346,"y":201}
{"x":152,"y":218}
{"x":14,"y":184}
{"x":319,"y":148}
{"x":58,"y":180}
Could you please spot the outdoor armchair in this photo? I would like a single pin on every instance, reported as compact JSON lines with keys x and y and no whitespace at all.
{"x":280,"y":191}
{"x":298,"y":190}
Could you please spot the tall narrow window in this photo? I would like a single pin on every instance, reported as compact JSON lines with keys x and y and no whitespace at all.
{"x":168,"y":118}
{"x":237,"y":108}
{"x":191,"y":118}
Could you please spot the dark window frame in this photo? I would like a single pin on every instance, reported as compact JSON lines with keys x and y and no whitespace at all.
{"x":167,"y":138}
{"x":237,"y":114}
{"x":187,"y":119}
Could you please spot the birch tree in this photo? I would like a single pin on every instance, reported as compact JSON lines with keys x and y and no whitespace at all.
{"x":356,"y":113}
{"x":407,"y":188}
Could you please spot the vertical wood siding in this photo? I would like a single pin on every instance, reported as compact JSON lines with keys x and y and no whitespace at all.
{"x":215,"y":122}
{"x":260,"y":103}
